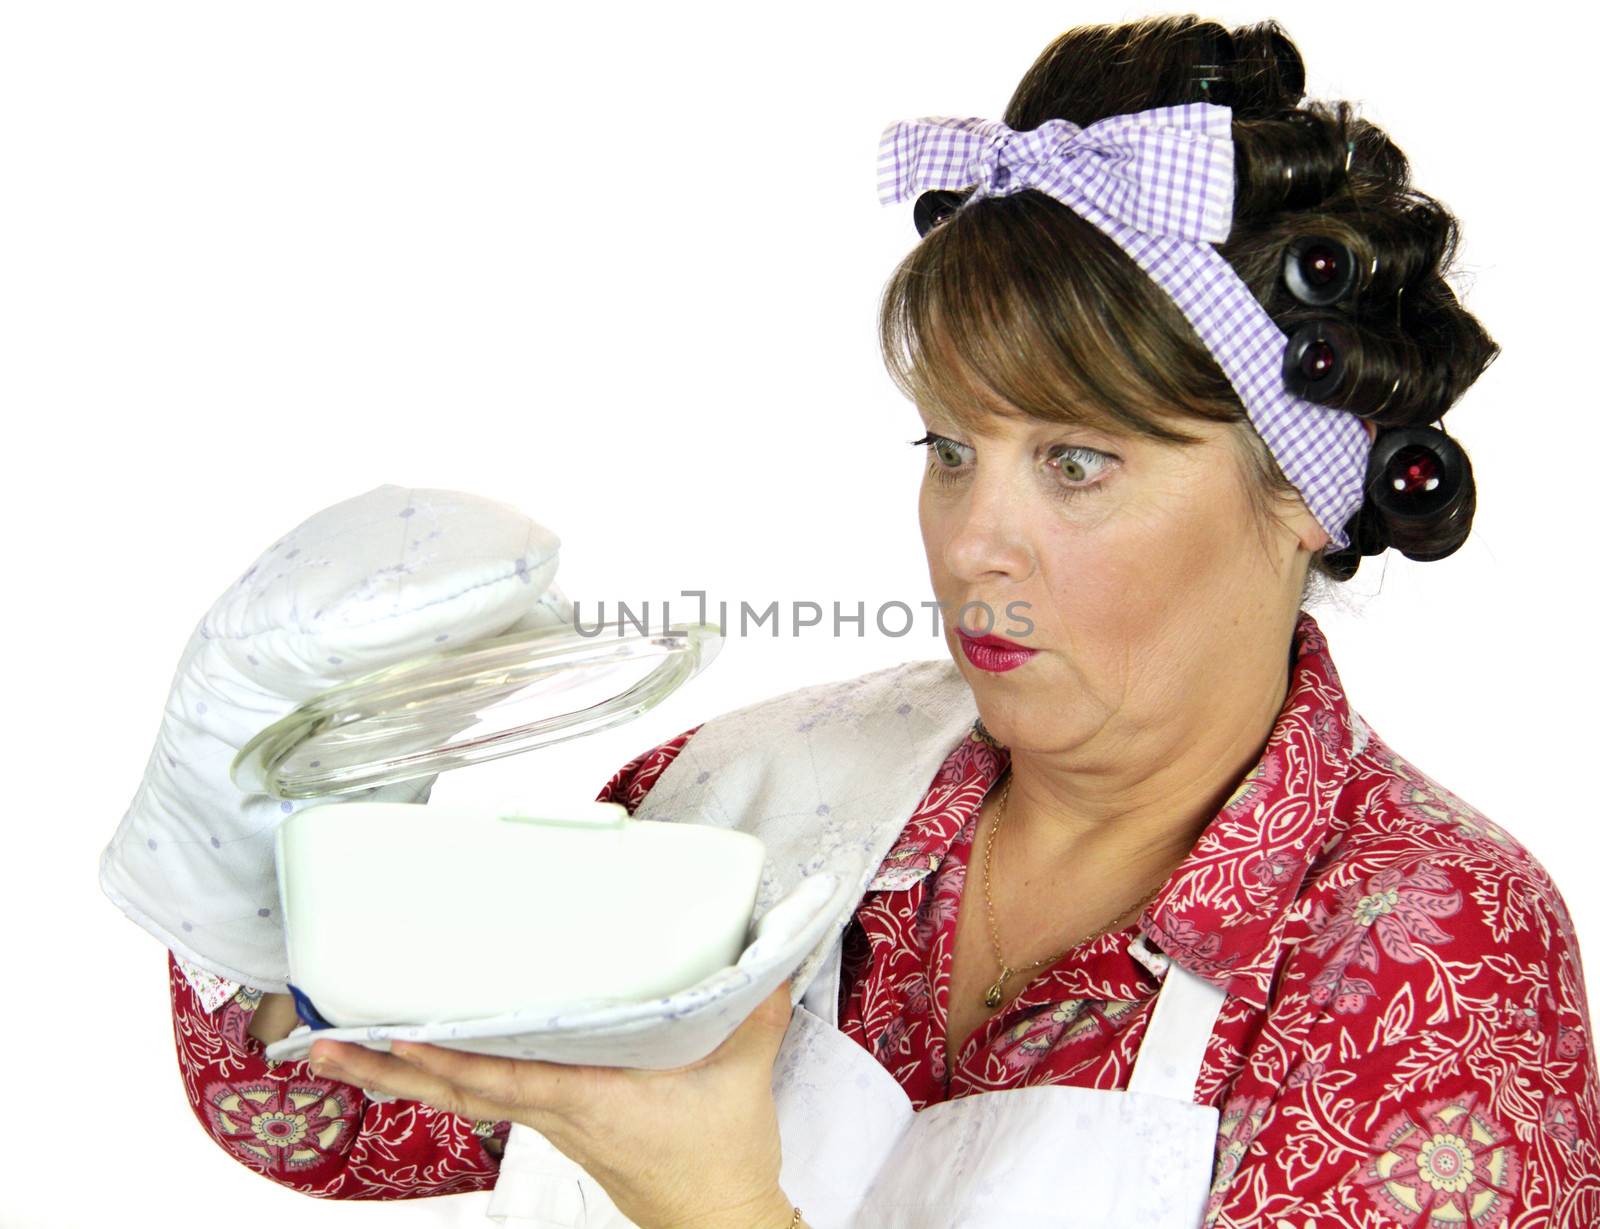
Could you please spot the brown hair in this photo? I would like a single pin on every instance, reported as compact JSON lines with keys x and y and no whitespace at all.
{"x":1019,"y":304}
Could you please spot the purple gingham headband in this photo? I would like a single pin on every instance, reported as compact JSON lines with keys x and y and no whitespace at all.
{"x":1159,"y":183}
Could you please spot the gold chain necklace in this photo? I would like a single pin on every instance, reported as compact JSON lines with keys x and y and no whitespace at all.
{"x":993,"y":995}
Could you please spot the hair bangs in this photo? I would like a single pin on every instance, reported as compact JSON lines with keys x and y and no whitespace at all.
{"x":1016,"y":306}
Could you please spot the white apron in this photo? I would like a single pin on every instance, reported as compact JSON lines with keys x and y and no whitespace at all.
{"x":839,"y":768}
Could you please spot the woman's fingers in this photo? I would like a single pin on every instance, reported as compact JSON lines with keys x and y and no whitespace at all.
{"x":356,"y":1064}
{"x":527,"y":1083}
{"x":548,"y":1096}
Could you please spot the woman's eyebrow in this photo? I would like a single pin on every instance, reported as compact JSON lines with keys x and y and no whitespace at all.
{"x":1080,"y":433}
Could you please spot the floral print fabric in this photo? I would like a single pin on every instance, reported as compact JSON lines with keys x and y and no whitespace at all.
{"x":1406,"y":1040}
{"x":320,"y":1136}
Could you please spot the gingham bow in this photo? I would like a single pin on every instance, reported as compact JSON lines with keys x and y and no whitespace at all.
{"x":1165,"y":171}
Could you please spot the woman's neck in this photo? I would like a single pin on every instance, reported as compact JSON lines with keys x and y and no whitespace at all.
{"x":1142,"y":801}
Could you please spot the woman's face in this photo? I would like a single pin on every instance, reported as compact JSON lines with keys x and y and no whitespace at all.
{"x":1153,"y":598}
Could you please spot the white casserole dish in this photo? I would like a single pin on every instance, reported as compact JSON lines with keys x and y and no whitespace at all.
{"x":410,"y":913}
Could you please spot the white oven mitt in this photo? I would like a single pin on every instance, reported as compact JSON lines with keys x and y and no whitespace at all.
{"x":365,"y":583}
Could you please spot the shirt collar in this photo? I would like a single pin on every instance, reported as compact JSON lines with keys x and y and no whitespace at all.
{"x":1228,"y":927}
{"x":1222,"y":913}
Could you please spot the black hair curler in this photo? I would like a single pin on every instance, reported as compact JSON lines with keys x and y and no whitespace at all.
{"x":934,"y":207}
{"x":1314,"y":361}
{"x":1420,"y":480}
{"x":1318,"y":269}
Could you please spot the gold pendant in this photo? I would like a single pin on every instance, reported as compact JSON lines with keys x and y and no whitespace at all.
{"x":992,"y":999}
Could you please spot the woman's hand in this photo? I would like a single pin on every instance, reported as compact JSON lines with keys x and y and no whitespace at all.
{"x":694,"y":1146}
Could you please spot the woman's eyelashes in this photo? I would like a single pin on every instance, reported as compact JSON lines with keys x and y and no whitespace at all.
{"x":1078,"y":467}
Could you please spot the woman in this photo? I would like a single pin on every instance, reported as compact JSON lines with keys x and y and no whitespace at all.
{"x":1167,"y":786}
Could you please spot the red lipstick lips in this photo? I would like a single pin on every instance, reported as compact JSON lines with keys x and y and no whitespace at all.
{"x":993,"y":653}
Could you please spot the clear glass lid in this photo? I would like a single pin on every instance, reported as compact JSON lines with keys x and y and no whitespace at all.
{"x":475,"y":702}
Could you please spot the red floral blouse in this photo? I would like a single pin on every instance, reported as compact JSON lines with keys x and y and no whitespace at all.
{"x":1406,"y":1040}
{"x":316,"y":1135}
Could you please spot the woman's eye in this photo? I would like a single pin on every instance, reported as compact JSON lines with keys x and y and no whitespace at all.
{"x":1077,"y":470}
{"x":945,"y":456}
{"x":948,"y":452}
{"x":1080,"y":469}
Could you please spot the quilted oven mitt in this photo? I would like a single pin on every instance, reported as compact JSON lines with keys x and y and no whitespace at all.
{"x":363,"y":584}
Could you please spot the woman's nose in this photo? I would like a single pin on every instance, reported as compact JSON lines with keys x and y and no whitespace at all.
{"x":987,"y":535}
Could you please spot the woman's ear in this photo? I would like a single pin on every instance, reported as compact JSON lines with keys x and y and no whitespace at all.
{"x":1313,"y":537}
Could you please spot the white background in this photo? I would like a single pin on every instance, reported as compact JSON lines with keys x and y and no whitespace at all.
{"x":619,"y":265}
